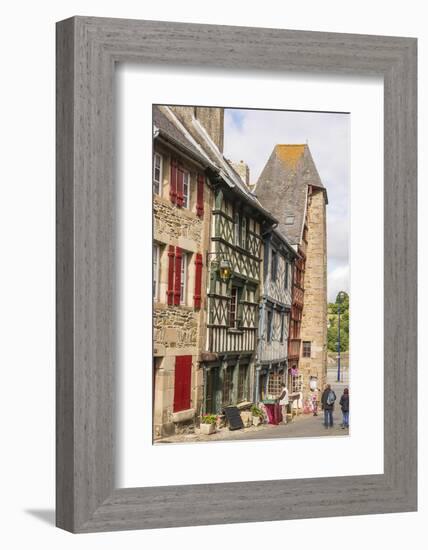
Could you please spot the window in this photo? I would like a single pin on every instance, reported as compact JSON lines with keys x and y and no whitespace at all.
{"x":289,"y":220}
{"x":297,"y":383}
{"x":306,"y":349}
{"x":298,"y":277}
{"x":242,"y":383}
{"x":274,"y":265}
{"x":295,"y":333}
{"x":233,"y":307}
{"x":212,"y":406}
{"x":186,"y":189}
{"x":156,"y":263}
{"x":157,"y":174}
{"x":282,"y":326}
{"x":275,"y":382}
{"x":227,"y":385}
{"x":183,"y":279}
{"x":250,"y":295}
{"x":236,"y":228}
{"x":269,"y":326}
{"x":244,"y":233}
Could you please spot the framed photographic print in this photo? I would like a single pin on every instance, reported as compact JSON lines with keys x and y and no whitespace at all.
{"x":236,"y":274}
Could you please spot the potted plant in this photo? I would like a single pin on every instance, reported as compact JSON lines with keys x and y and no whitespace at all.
{"x":257,"y":415}
{"x":208,"y":424}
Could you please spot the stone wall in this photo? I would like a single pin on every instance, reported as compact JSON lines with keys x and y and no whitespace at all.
{"x":171,"y":222}
{"x":165,"y":421}
{"x":314,"y":326}
{"x":175,"y":328}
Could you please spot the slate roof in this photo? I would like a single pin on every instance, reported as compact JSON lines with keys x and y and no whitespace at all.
{"x":287,"y":245}
{"x":282,"y":187}
{"x":164,"y":126}
{"x":187,"y":133}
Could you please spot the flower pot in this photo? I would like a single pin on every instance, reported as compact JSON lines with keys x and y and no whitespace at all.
{"x":256,"y":420}
{"x":207,"y":429}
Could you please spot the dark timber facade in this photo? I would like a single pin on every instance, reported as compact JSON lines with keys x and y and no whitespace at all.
{"x":233,"y":306}
{"x":275,"y":312}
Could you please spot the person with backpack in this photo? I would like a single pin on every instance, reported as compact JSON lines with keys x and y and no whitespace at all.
{"x":327,"y":402}
{"x":344,"y":403}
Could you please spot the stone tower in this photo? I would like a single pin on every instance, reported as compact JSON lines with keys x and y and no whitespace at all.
{"x":290,"y":188}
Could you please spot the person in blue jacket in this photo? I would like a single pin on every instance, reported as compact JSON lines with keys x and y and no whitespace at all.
{"x":344,"y":403}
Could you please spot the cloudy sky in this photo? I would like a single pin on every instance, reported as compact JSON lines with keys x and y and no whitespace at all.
{"x":251,"y":135}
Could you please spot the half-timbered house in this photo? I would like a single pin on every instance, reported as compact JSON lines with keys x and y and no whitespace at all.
{"x":238,"y":221}
{"x":291,"y":189}
{"x":275,"y":311}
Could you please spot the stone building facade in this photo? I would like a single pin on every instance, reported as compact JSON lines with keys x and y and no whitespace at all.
{"x":291,"y":189}
{"x":181,"y":225}
{"x":313,"y":360}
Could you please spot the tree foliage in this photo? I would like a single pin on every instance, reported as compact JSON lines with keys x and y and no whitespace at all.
{"x":342,"y":303}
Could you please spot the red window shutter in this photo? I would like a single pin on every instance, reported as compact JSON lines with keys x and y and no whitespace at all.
{"x":198,"y":280}
{"x":177,"y":284}
{"x":173,"y":181}
{"x":180,"y":175}
{"x":200,"y":196}
{"x":170,"y":291}
{"x":182,"y":382}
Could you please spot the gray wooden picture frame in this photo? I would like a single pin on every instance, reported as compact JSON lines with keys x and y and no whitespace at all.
{"x":87,"y":50}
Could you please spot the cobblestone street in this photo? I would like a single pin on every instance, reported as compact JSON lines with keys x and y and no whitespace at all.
{"x":303,"y":425}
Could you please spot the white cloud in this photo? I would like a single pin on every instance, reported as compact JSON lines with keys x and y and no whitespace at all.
{"x":250,"y":135}
{"x":338,"y":279}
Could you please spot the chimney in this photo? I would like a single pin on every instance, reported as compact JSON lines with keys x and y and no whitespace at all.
{"x":244,"y":172}
{"x":212,"y":119}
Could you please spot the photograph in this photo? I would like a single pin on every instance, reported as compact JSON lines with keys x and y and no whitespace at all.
{"x":250,"y":289}
{"x":178,"y":358}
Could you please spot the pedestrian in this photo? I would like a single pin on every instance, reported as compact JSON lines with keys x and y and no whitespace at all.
{"x":314,"y":400}
{"x":344,"y":403}
{"x":283,"y":401}
{"x":327,"y":402}
{"x":313,"y":385}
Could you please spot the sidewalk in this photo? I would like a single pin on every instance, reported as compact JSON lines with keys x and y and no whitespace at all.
{"x":304,"y":425}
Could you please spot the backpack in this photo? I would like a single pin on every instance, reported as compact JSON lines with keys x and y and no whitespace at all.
{"x":331,"y":398}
